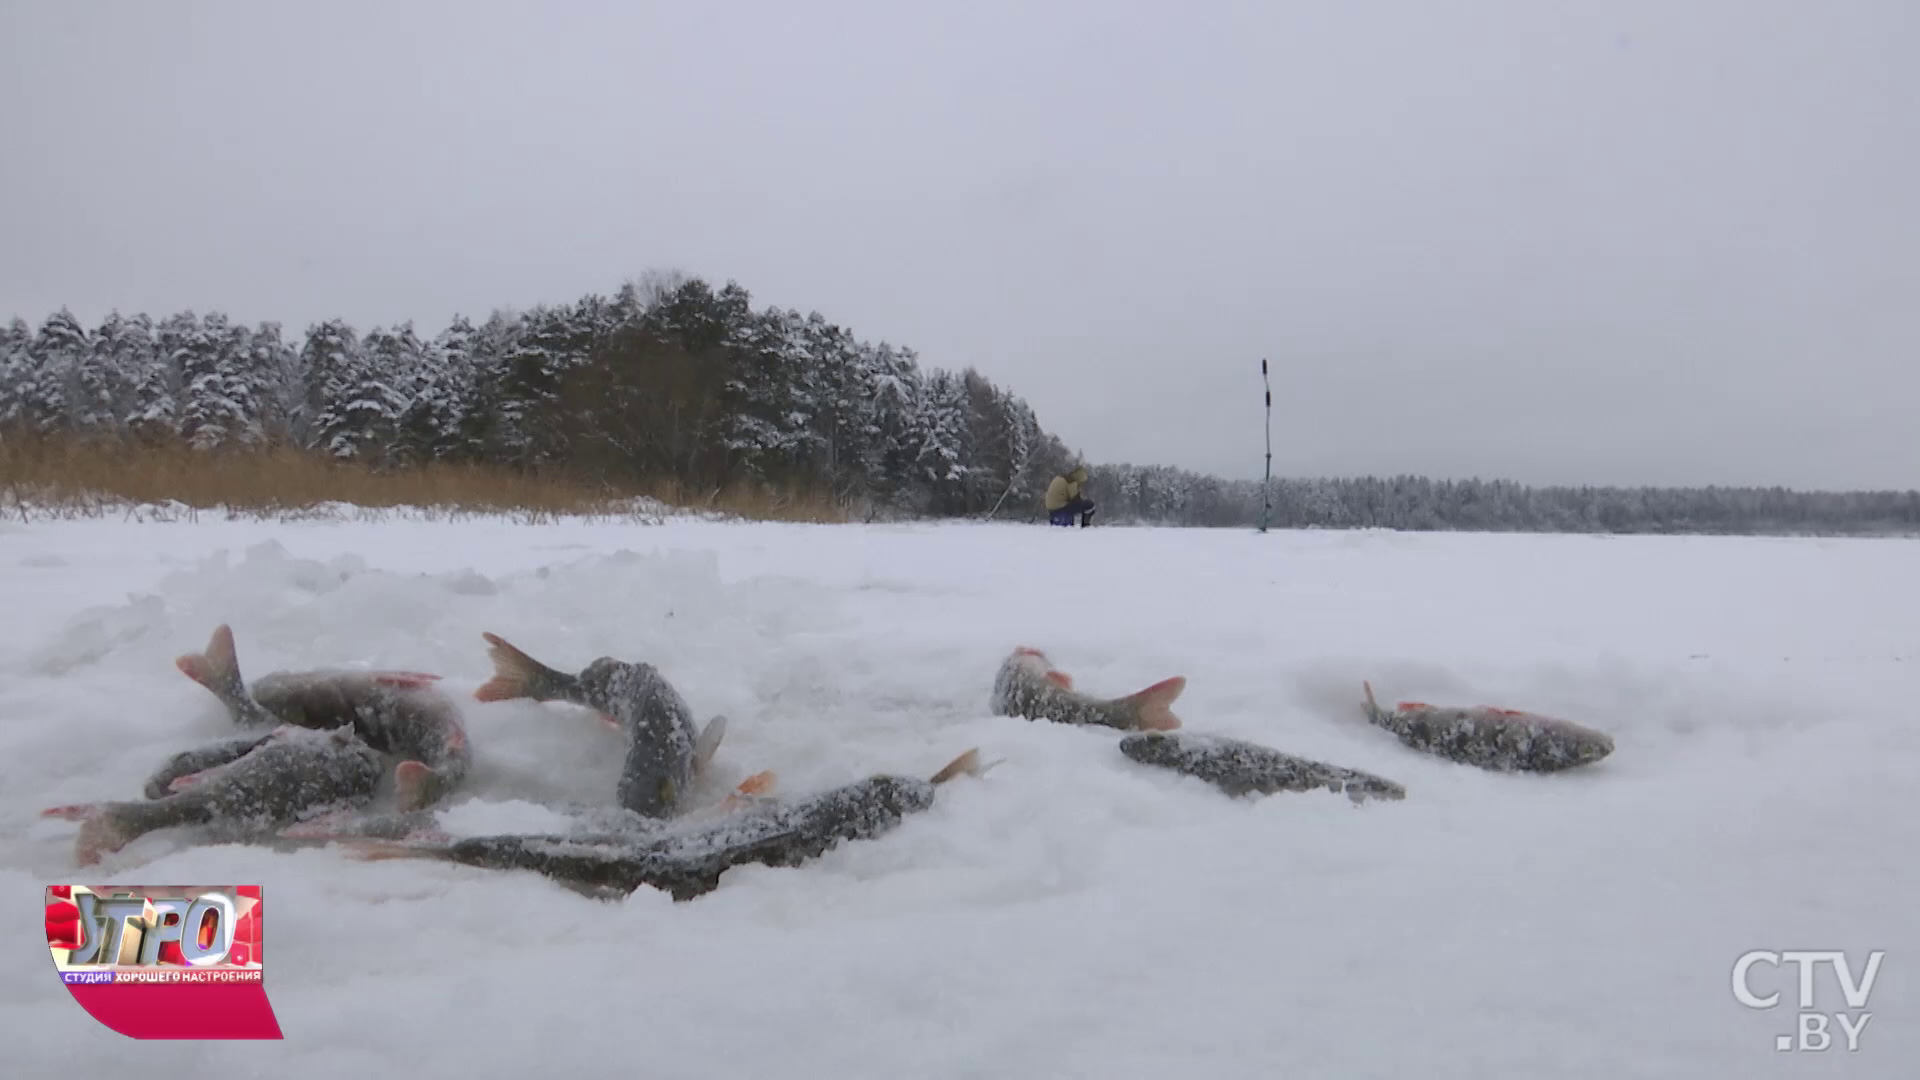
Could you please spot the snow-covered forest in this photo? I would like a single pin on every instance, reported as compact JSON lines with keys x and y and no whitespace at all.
{"x":1159,"y":494}
{"x":673,"y":380}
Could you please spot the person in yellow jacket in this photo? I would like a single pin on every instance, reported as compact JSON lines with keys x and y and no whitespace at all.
{"x":1064,"y":500}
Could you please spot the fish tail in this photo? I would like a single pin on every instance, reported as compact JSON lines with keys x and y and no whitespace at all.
{"x":515,"y":674}
{"x":218,"y":669}
{"x":101,"y":833}
{"x":1152,"y":708}
{"x":967,"y":764}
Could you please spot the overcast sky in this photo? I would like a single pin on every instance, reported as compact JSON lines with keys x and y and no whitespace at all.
{"x":1664,"y":241}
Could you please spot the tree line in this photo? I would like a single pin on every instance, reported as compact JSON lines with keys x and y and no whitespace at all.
{"x":1158,"y":494}
{"x":666,"y":380}
{"x":671,"y":379}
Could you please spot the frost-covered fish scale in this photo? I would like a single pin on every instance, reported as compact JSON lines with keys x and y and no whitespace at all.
{"x":1502,"y":740}
{"x":1244,"y":768}
{"x":688,"y":862}
{"x":1028,"y":685}
{"x":395,"y":712}
{"x":291,"y":775}
{"x":664,"y":753}
{"x":181,"y":769}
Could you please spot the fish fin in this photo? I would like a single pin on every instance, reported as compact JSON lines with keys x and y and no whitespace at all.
{"x":415,"y":784}
{"x":1407,"y":706}
{"x":514,"y":672}
{"x":1153,"y":707}
{"x":611,"y":723}
{"x":1060,"y":679}
{"x":708,"y":743}
{"x":98,"y":836}
{"x":72,"y":812}
{"x":404,"y":680}
{"x":967,"y":764}
{"x":751,"y":789}
{"x":181,"y":783}
{"x":218,"y":668}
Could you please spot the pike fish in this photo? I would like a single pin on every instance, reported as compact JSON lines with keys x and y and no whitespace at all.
{"x":1500,"y":740}
{"x":1239,"y":768}
{"x":665,"y":755}
{"x":284,"y":777}
{"x":688,"y":863}
{"x":399,"y":713}
{"x":1028,"y":685}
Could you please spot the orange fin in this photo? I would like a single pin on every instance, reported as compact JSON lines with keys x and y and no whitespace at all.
{"x":967,"y":764}
{"x":73,"y":812}
{"x":1060,"y":679}
{"x":405,"y":680}
{"x":1154,"y":705}
{"x":757,"y":786}
{"x":514,"y":672}
{"x":413,"y":783}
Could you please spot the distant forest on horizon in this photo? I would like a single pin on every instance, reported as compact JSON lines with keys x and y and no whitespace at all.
{"x":671,"y":379}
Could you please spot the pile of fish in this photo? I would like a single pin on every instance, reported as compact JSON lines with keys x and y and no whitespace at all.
{"x":366,"y":759}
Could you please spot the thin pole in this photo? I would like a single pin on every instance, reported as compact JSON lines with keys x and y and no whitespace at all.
{"x":1266,"y":482}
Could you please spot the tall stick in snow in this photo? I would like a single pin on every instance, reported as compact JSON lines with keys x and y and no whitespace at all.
{"x":1266,"y":482}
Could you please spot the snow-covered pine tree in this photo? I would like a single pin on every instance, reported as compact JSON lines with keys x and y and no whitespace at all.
{"x":128,"y":348}
{"x":101,"y":389}
{"x":366,"y":424}
{"x":53,"y":357}
{"x":161,"y":387}
{"x":481,"y":434}
{"x":895,"y":428}
{"x":771,"y":398}
{"x":945,"y":443}
{"x":275,"y":387}
{"x":15,"y":336}
{"x":526,"y":431}
{"x":442,"y":388}
{"x":216,"y":410}
{"x":352,"y":410}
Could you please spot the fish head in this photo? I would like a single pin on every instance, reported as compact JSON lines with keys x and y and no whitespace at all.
{"x":1592,"y":746}
{"x":654,"y":789}
{"x":658,"y":773}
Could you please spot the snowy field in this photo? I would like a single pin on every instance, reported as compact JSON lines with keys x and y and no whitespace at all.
{"x":1071,"y":914}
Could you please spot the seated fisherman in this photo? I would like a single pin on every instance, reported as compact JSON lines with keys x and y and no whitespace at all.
{"x":1064,"y":500}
